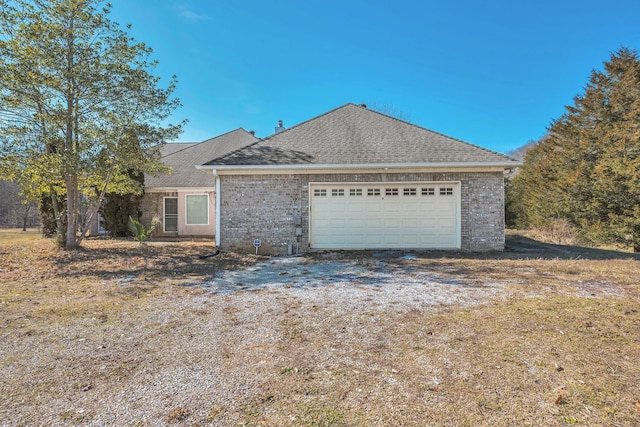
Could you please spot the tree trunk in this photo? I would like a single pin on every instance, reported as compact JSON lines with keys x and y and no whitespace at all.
{"x":93,"y":210}
{"x":73,"y":209}
{"x":57,"y":214}
{"x":25,"y":217}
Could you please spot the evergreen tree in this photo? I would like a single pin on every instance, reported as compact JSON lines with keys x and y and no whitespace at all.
{"x":514,"y":215}
{"x":48,"y":220}
{"x":587,"y":170}
{"x":118,"y":208}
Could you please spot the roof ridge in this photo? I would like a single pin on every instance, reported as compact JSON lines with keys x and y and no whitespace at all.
{"x":226,"y":133}
{"x":196,"y":144}
{"x":191,"y":144}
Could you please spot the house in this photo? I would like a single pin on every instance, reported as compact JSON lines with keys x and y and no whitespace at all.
{"x":353,"y":178}
{"x":184,"y":200}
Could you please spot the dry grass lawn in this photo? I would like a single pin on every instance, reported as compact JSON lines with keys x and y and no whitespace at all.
{"x":117,"y":334}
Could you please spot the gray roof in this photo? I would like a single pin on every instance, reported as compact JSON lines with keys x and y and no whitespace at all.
{"x":355,"y":135}
{"x":172,"y":147}
{"x":183,"y":158}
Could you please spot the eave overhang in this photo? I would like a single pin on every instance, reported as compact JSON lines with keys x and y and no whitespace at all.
{"x":359,"y":168}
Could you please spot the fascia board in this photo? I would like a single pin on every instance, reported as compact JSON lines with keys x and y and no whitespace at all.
{"x":360,"y":168}
{"x":175,"y":189}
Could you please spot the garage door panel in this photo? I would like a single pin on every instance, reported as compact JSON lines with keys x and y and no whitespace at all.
{"x":370,"y":216}
{"x":357,"y":239}
{"x":410,"y":239}
{"x":373,"y":239}
{"x":411,"y":223}
{"x":373,"y":224}
{"x":392,"y":240}
{"x":355,"y":224}
{"x":430,"y":208}
{"x":392,"y":207}
{"x":321,"y":227}
{"x":393,"y":223}
{"x":446,"y":223}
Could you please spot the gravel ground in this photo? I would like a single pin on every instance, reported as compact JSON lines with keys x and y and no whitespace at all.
{"x":285,"y":341}
{"x":350,"y":282}
{"x":185,"y":359}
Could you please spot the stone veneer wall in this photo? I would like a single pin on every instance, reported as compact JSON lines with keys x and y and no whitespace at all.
{"x":271,"y":207}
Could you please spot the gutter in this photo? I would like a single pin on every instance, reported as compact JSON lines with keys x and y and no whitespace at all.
{"x":361,"y":167}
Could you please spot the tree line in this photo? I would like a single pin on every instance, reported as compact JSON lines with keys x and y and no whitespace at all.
{"x":586,"y":170}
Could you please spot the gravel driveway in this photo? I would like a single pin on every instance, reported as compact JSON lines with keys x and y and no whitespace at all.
{"x":332,"y":277}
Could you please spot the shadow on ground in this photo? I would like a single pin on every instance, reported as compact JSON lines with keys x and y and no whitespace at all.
{"x":516,"y":247}
{"x":520,"y":247}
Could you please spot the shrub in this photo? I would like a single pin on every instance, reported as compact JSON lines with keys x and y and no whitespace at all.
{"x":140,"y":232}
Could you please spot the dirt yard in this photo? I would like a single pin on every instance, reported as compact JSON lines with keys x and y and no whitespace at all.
{"x":125,"y":335}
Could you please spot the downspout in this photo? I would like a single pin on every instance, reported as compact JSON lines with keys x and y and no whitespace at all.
{"x":217,"y":208}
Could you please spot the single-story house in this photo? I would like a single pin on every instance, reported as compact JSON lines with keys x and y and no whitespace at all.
{"x":184,"y":200}
{"x":351,"y":178}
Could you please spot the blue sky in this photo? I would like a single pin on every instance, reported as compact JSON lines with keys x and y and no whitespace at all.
{"x":493,"y":73}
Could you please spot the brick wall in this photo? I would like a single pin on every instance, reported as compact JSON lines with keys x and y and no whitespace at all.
{"x":484,"y":213}
{"x":152,"y":207}
{"x":263,"y":207}
{"x":271,"y":207}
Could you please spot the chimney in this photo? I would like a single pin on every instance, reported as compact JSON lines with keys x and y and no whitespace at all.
{"x":279,"y":128}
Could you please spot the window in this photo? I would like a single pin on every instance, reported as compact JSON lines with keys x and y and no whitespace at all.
{"x":101,"y":229}
{"x":390,"y":191}
{"x":409,"y":191}
{"x":355,"y":191}
{"x":446,"y":191}
{"x":337,"y":192}
{"x":428,"y":191}
{"x":373,"y":191}
{"x":170,"y":214}
{"x":319,"y":192}
{"x":197,"y":209}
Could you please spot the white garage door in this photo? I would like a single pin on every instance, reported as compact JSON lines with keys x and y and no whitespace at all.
{"x":385,"y":216}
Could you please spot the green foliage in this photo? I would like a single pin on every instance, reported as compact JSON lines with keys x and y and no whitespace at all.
{"x":117,"y":208}
{"x":48,"y":223}
{"x":515,"y":216}
{"x":116,"y":211}
{"x":587,"y":169}
{"x":80,"y":106}
{"x":140,"y":232}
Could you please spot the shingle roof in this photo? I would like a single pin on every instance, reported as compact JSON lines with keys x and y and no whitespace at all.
{"x":172,"y":147}
{"x":183,"y":158}
{"x":355,"y":135}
